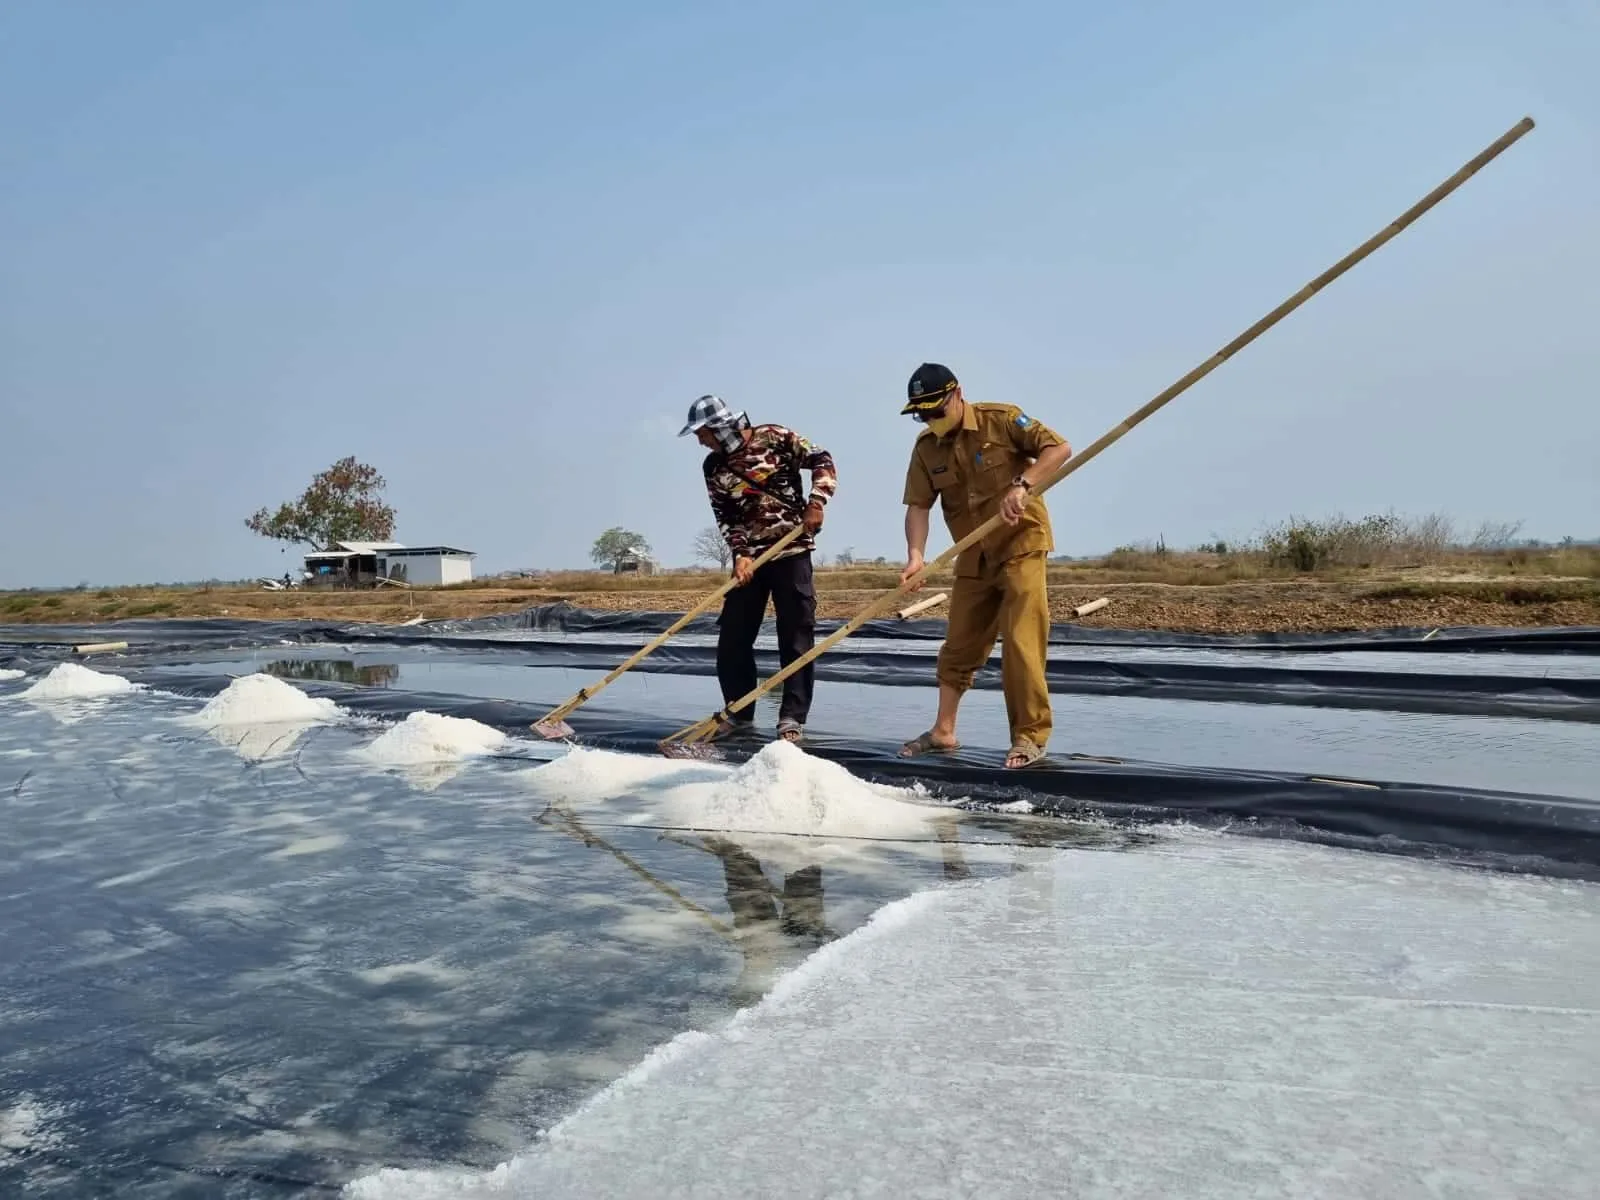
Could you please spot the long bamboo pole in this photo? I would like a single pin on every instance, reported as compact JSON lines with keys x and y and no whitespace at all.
{"x":701,"y":730}
{"x":554,"y":725}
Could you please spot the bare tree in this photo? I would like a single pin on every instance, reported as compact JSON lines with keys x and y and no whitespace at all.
{"x":709,"y":546}
{"x":1496,"y":535}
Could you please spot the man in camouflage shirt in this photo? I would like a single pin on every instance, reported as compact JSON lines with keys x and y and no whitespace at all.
{"x":752,"y":476}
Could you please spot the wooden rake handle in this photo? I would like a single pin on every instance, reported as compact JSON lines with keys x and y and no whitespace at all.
{"x":583,"y":695}
{"x":702,"y":729}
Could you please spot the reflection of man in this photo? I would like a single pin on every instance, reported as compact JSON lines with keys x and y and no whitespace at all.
{"x":757,"y":920}
{"x":979,"y":461}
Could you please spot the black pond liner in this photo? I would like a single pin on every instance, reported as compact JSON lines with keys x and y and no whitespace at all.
{"x":1544,"y":697}
{"x":567,"y":618}
{"x":1524,"y":832}
{"x":1503,"y":694}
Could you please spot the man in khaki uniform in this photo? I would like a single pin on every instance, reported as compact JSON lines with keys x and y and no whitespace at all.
{"x":978,"y":460}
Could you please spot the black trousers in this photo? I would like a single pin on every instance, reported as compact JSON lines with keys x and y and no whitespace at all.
{"x":787,"y":581}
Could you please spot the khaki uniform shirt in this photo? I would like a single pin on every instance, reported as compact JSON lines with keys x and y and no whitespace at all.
{"x":970,"y":472}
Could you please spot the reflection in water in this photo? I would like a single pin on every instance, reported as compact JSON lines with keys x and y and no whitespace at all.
{"x":948,"y":831}
{"x":764,"y":917}
{"x":565,"y":821}
{"x":329,"y":670}
{"x":775,"y":925}
{"x":772,"y":926}
{"x":260,"y":741}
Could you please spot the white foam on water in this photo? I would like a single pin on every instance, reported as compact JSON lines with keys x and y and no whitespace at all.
{"x":69,"y":681}
{"x":1206,"y":1018}
{"x":425,"y":737}
{"x":262,"y":699}
{"x":428,"y":970}
{"x":7,"y":674}
{"x":25,"y":1126}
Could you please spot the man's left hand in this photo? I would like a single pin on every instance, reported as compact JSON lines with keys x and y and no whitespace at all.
{"x":813,"y":518}
{"x":1012,"y":505}
{"x":743,"y":570}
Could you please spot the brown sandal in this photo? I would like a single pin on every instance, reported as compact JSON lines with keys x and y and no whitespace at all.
{"x":923,"y":743}
{"x":1025,"y":750}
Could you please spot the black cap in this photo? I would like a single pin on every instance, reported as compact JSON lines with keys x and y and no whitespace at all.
{"x":930,"y":386}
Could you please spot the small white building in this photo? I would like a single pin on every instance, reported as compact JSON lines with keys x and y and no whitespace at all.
{"x":427,"y":566}
{"x":352,"y":564}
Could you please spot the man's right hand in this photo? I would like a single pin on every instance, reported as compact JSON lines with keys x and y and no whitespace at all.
{"x":743,"y":569}
{"x":913,"y":565}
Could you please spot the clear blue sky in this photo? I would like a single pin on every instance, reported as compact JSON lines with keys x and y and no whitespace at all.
{"x":497,"y":248}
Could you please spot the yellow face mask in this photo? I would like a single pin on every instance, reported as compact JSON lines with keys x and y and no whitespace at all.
{"x":943,"y":426}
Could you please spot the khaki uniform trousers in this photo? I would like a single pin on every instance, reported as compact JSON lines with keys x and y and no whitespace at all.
{"x":1009,"y":600}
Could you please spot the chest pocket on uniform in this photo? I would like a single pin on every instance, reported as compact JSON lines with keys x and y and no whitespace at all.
{"x":992,"y":468}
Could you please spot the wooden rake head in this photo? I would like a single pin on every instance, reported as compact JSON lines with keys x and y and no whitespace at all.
{"x":693,"y":742}
{"x":555,"y":730}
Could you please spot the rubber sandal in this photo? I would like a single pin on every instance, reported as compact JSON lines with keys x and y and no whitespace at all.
{"x":730,"y":729}
{"x":789,"y":726}
{"x":1025,"y":750}
{"x":923,"y":743}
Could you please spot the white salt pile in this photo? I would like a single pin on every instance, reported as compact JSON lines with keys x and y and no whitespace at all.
{"x":583,"y":775}
{"x":264,"y":700}
{"x":7,"y":674}
{"x":260,"y":716}
{"x":426,"y":737}
{"x":781,"y":790}
{"x":69,"y":681}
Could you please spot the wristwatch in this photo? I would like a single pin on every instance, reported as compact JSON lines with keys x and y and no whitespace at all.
{"x":1022,"y":483}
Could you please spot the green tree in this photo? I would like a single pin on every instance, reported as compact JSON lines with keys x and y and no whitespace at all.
{"x":615,"y":544}
{"x":342,"y":504}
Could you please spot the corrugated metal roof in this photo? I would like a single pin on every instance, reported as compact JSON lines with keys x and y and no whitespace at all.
{"x":369,"y":547}
{"x":415,"y":551}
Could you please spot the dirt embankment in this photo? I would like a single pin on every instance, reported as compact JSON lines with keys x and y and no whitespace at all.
{"x":1238,"y":607}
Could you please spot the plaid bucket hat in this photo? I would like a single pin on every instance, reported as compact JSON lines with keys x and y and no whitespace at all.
{"x":709,"y":412}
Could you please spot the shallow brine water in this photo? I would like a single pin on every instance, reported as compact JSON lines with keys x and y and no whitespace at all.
{"x":1517,"y":754}
{"x":258,"y":946}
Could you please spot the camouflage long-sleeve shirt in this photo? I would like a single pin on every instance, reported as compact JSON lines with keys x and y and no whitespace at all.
{"x":756,"y":493}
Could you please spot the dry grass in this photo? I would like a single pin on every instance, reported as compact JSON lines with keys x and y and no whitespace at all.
{"x":1300,"y":574}
{"x":1547,"y":591}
